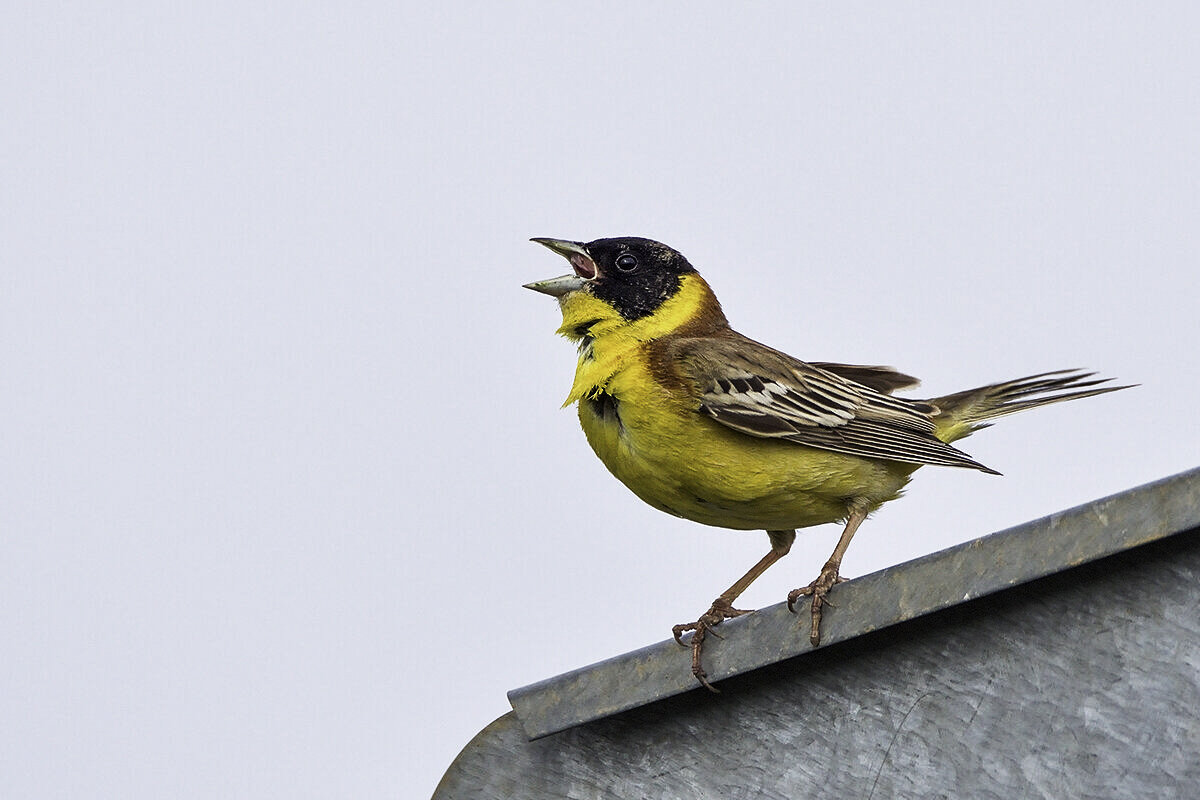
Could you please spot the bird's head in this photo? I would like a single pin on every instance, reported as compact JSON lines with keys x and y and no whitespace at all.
{"x":633,"y":276}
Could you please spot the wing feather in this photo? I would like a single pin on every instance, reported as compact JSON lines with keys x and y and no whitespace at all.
{"x":762,"y":392}
{"x":881,"y":379}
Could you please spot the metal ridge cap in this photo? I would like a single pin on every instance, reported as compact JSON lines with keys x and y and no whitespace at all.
{"x":878,"y":600}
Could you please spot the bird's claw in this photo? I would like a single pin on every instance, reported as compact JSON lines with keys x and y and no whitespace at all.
{"x":717,"y":613}
{"x":818,"y":590}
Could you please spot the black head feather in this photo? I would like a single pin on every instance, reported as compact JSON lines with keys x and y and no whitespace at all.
{"x":635,"y":275}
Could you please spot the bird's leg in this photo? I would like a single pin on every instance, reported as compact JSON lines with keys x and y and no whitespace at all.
{"x":722,"y":608}
{"x":828,"y":578}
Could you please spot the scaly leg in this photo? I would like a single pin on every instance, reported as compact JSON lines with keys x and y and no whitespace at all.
{"x":828,"y":578}
{"x":722,"y":608}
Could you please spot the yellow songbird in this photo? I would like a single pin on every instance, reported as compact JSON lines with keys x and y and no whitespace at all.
{"x":706,"y":424}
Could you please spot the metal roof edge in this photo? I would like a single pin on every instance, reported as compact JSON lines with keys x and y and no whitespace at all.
{"x":881,"y":599}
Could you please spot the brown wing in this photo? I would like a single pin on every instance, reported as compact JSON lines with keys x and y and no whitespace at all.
{"x":881,"y":379}
{"x":762,"y":392}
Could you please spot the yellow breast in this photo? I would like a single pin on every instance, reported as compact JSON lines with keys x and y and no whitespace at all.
{"x":651,"y":435}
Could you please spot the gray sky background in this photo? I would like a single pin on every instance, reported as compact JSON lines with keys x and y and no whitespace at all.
{"x":287,"y":501}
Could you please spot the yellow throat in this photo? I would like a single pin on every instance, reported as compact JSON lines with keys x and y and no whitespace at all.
{"x":607,"y":340}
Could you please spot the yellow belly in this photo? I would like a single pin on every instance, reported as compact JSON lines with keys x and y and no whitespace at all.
{"x":682,"y":462}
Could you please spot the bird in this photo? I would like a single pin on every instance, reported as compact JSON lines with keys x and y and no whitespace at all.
{"x":704,"y":423}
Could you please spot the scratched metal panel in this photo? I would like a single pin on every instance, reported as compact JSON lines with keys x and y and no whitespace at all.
{"x":1082,"y":684}
{"x":869,"y":603}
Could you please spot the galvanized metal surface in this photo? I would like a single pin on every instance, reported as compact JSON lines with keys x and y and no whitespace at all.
{"x":881,"y":599}
{"x":1082,"y":684}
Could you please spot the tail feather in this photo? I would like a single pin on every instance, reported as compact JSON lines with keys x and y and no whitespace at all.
{"x":962,"y":413}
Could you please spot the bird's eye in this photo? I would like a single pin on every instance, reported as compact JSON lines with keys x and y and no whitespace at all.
{"x":627,"y":262}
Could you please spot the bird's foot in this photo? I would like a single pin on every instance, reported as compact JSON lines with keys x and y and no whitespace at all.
{"x":818,"y":590}
{"x":720,"y":611}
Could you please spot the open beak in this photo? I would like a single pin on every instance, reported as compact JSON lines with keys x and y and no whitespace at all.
{"x":582,"y":264}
